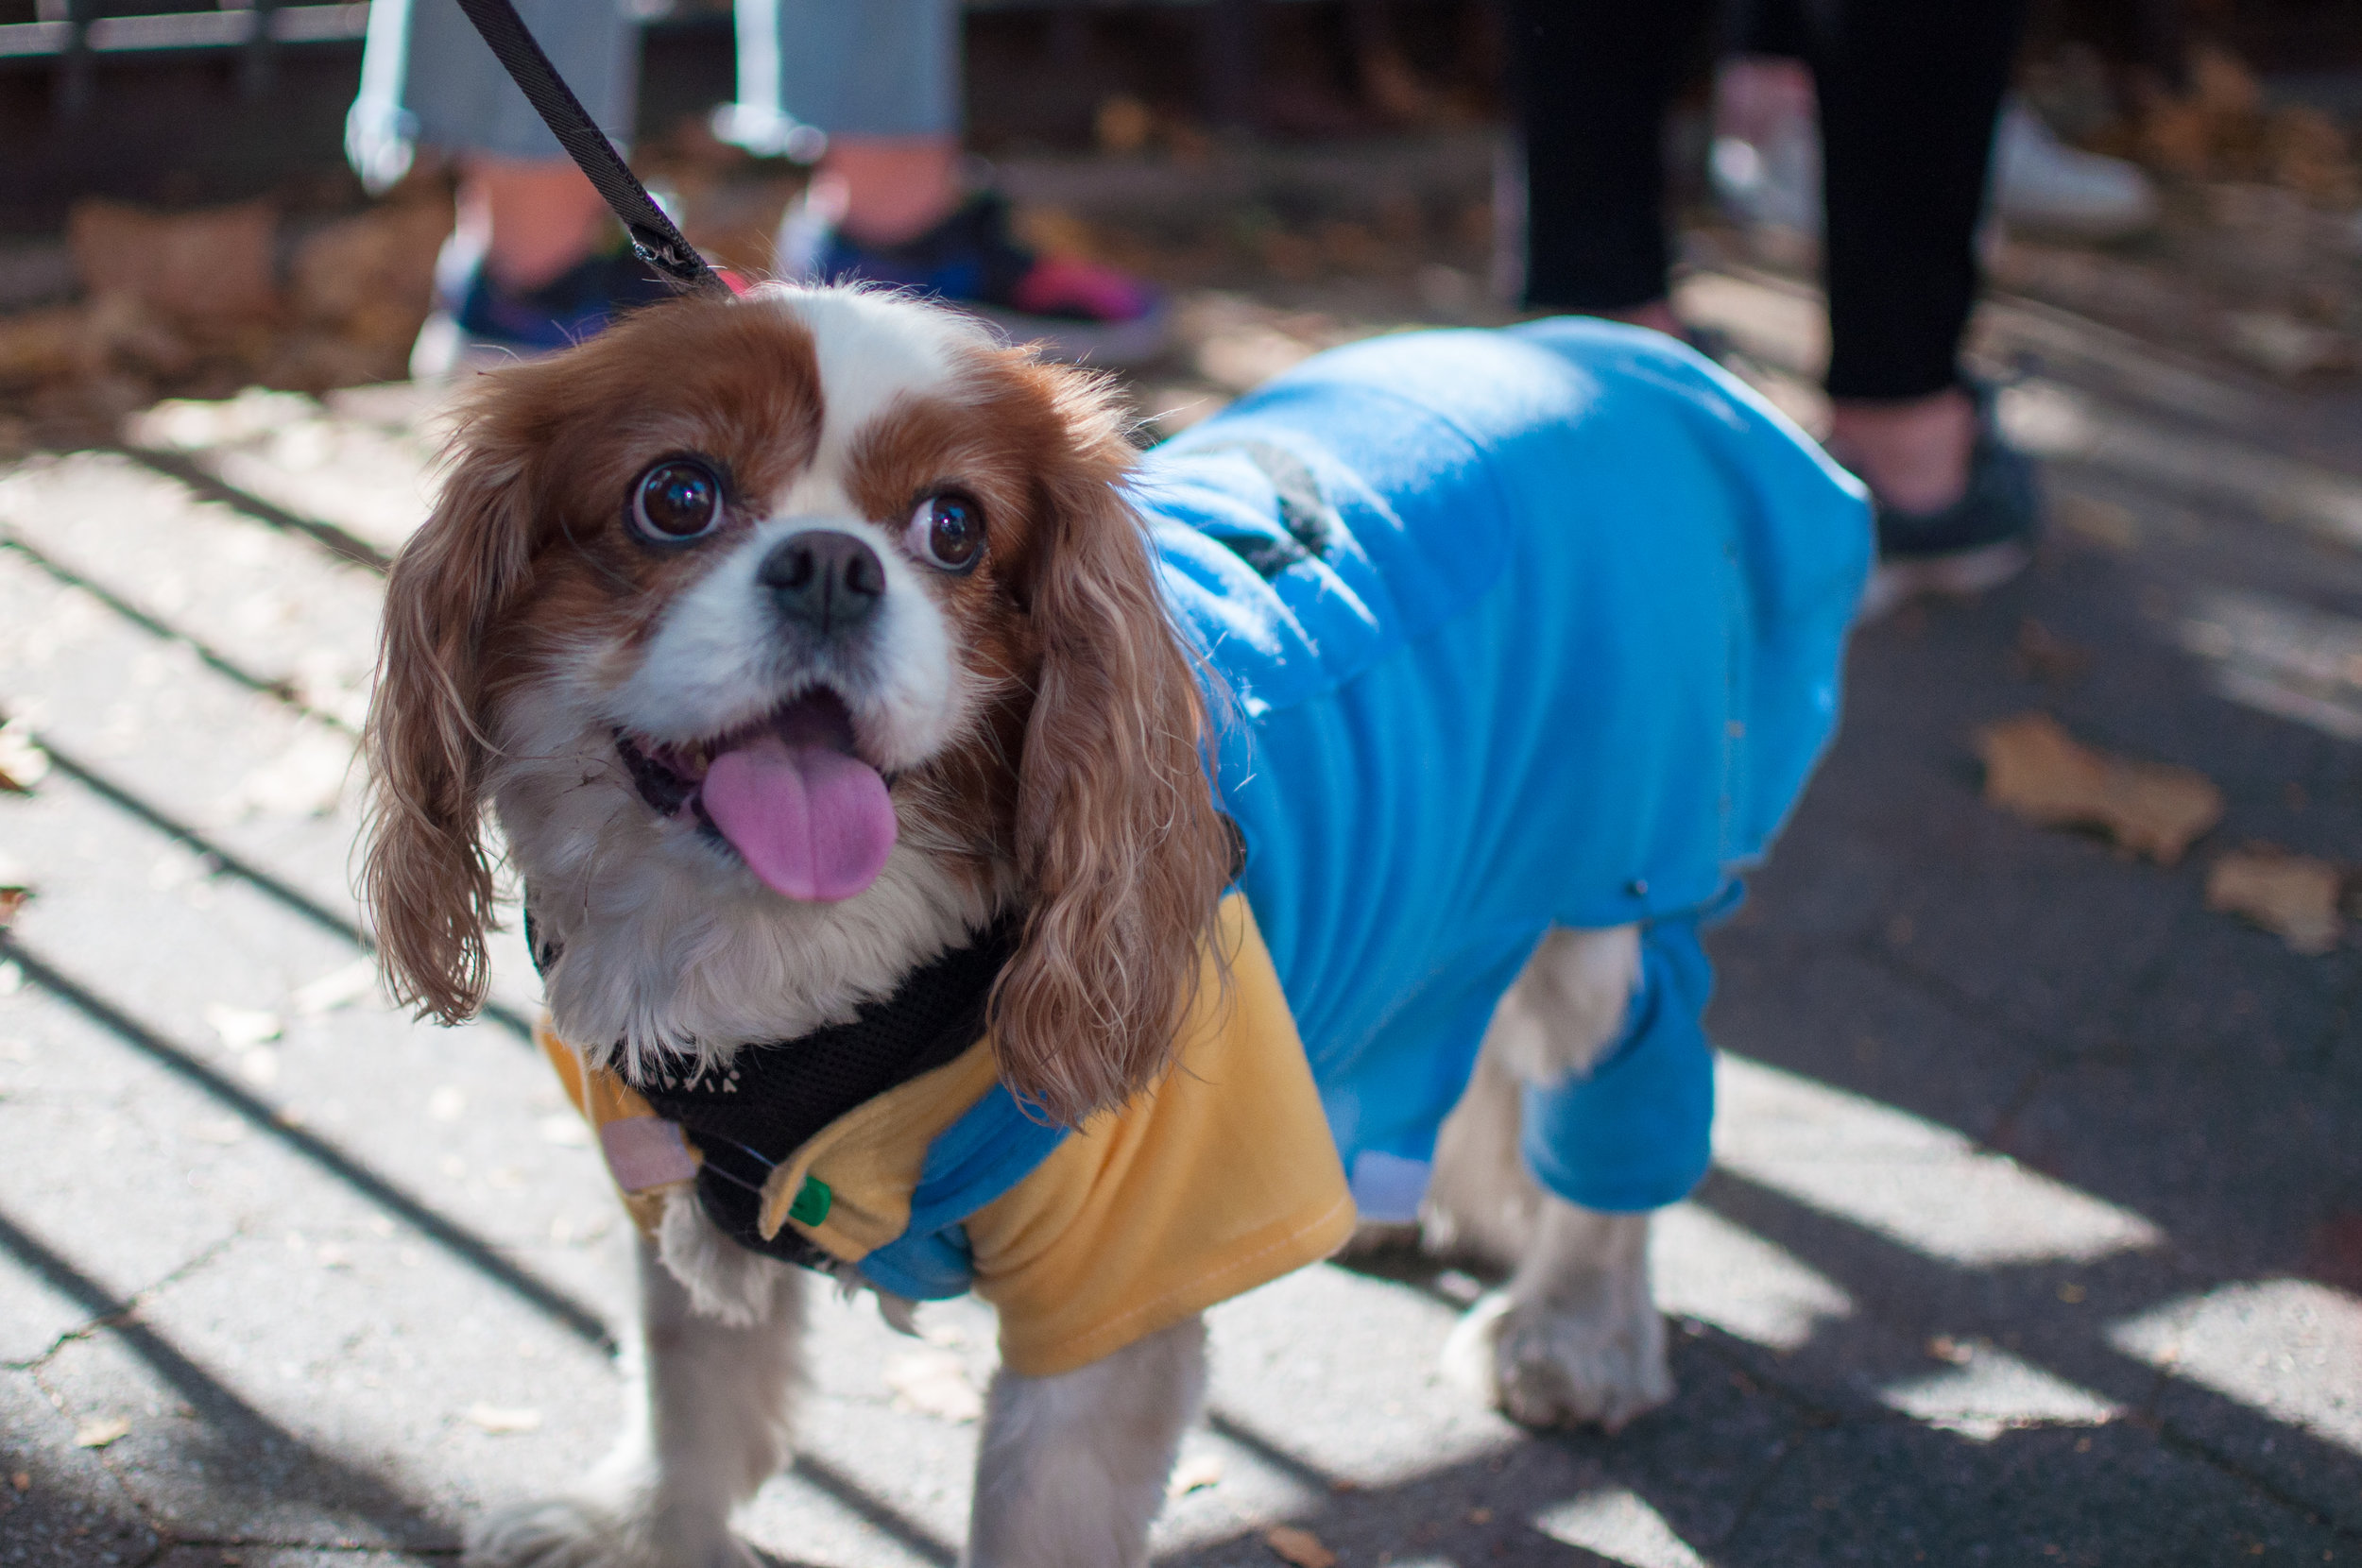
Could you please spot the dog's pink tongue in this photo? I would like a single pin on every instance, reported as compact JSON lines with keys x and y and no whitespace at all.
{"x":813,"y":823}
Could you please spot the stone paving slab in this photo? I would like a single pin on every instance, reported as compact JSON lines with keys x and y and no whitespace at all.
{"x":1836,"y":1012}
{"x":244,"y":1556}
{"x":275,"y":605}
{"x":70,"y":1508}
{"x":2035,"y":1235}
{"x":1905,"y":1494}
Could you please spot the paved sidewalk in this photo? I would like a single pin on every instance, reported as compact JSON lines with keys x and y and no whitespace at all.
{"x":2035,"y":1233}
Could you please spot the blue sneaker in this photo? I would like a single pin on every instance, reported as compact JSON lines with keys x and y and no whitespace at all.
{"x":1077,"y":310}
{"x":477,"y":323}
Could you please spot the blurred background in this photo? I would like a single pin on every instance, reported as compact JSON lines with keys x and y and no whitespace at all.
{"x":2034,"y":1234}
{"x":177,"y":218}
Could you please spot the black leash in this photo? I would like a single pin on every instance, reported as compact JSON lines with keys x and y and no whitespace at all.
{"x":658,"y":242}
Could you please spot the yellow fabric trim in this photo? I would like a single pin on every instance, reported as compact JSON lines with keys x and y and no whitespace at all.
{"x":1222,"y":1178}
{"x":602,"y":1097}
{"x":871,"y":1156}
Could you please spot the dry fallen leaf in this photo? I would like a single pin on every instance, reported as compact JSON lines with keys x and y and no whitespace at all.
{"x":565,"y":1128}
{"x":216,"y":264}
{"x":241,"y":1027}
{"x":499,"y":1421}
{"x":2280,"y":345}
{"x":2036,"y":769}
{"x":40,"y":346}
{"x":338,"y":988}
{"x":371,"y":276}
{"x":305,"y":780}
{"x":2222,"y":83}
{"x":1246,"y":358}
{"x":98,"y":1433}
{"x":2308,"y":154}
{"x":1301,"y":1548}
{"x":1194,"y":1474}
{"x":22,"y":764}
{"x":2042,"y":654}
{"x":1057,"y":231}
{"x":2102,"y":521}
{"x":220,"y":1130}
{"x":2293,"y":895}
{"x":934,"y":1382}
{"x":1123,"y":125}
{"x":1396,"y":90}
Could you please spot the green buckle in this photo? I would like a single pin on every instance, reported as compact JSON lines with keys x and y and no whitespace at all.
{"x":811,"y":1202}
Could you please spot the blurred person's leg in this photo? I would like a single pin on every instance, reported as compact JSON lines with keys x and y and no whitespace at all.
{"x":541,"y":219}
{"x":534,"y":263}
{"x":1909,"y":93}
{"x":881,"y":79}
{"x":1593,"y":79}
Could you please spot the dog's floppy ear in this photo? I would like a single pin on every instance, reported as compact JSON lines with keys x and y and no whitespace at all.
{"x":1121,"y":852}
{"x":425,"y":877}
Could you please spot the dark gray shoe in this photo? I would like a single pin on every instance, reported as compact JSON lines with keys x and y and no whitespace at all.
{"x":1980,"y":541}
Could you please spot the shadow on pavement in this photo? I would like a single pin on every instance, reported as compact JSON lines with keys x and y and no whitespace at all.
{"x":454,"y":1239}
{"x":238,"y":1449}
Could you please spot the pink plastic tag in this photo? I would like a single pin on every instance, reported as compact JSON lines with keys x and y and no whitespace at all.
{"x":646,"y":1151}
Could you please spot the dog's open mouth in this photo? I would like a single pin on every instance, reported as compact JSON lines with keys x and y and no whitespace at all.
{"x":789,"y":793}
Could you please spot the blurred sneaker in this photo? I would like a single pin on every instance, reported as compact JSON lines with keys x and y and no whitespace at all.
{"x":477,"y":323}
{"x":1978,"y":542}
{"x":1077,"y":310}
{"x":2040,"y":182}
{"x":1765,"y":163}
{"x":1765,"y":167}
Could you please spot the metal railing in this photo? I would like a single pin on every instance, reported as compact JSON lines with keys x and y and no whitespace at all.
{"x":74,"y":33}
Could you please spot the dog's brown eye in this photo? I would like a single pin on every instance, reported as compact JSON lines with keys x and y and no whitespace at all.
{"x":949,"y":530}
{"x":676,"y":501}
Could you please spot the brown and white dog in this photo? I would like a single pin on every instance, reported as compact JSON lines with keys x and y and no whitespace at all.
{"x":622,"y":627}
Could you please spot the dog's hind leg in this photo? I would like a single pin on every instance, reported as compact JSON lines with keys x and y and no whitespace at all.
{"x":1072,"y":1468}
{"x":1574,"y":1338}
{"x":708,"y":1423}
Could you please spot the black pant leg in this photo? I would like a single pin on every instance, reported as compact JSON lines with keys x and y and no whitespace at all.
{"x":1594,"y":77}
{"x":1909,"y":90}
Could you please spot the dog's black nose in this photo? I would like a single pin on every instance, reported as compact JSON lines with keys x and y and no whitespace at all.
{"x":823,"y":579}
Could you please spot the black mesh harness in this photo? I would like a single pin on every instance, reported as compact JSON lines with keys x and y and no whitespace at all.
{"x":750,"y":1117}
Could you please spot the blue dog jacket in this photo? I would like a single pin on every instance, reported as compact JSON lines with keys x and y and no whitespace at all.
{"x":1509,"y":629}
{"x":1525,"y":629}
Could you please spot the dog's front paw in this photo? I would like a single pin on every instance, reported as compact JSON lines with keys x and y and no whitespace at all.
{"x":1545,"y":1364}
{"x":574,"y":1532}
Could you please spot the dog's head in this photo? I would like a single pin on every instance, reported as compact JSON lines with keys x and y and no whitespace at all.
{"x":787,"y":614}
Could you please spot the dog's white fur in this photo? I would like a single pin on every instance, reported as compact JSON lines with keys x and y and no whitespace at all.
{"x":1575,"y":1337}
{"x":707,"y":1425}
{"x":713,"y":665}
{"x":668,"y":945}
{"x":1072,"y":1468}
